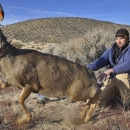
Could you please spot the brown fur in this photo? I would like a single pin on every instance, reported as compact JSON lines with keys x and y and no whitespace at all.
{"x":47,"y":74}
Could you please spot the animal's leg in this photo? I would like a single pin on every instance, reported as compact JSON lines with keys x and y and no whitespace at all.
{"x":89,"y":108}
{"x":83,"y":113}
{"x":3,"y":84}
{"x":25,"y":93}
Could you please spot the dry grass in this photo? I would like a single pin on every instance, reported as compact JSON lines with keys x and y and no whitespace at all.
{"x":81,"y":40}
{"x":77,"y":39}
{"x":10,"y":111}
{"x":82,"y":50}
{"x":60,"y":115}
{"x":57,"y":30}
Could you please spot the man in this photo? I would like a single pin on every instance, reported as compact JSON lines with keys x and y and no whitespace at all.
{"x":118,"y":58}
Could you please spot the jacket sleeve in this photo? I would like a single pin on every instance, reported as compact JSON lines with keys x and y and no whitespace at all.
{"x":122,"y":68}
{"x":100,"y":62}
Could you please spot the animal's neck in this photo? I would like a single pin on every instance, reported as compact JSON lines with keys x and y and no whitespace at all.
{"x":6,"y":59}
{"x":3,"y":50}
{"x":11,"y":51}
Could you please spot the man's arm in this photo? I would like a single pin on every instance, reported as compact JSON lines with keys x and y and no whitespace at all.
{"x":122,"y":68}
{"x":100,"y":62}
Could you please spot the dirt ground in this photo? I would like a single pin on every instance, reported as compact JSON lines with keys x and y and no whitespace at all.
{"x":58,"y":114}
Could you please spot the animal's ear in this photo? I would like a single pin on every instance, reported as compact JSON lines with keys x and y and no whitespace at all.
{"x":1,"y":13}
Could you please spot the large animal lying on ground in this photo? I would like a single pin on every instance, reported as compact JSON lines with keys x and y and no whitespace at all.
{"x":46,"y":74}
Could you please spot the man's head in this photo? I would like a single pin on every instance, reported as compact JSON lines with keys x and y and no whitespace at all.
{"x":122,"y":37}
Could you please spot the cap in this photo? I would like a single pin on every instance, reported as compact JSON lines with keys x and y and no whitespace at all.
{"x":122,"y":33}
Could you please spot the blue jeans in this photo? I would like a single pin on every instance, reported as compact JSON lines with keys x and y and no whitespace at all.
{"x":41,"y":96}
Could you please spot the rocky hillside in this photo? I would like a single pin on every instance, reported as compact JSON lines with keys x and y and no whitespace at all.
{"x":78,"y":39}
{"x":56,"y":30}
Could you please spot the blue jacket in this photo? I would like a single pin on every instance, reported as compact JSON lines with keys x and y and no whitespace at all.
{"x":122,"y":65}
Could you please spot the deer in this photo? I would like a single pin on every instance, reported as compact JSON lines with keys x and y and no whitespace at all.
{"x":50,"y":75}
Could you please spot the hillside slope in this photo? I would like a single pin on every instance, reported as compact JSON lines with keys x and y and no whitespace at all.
{"x":81,"y":40}
{"x":56,"y":30}
{"x":77,"y":39}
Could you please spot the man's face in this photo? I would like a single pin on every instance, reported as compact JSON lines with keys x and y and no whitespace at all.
{"x":121,"y":42}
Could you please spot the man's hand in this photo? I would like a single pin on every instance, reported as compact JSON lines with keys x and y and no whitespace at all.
{"x":104,"y":75}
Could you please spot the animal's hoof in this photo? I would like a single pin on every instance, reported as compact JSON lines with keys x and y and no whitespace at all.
{"x":83,"y":113}
{"x":87,"y":119}
{"x":24,"y":119}
{"x":19,"y":122}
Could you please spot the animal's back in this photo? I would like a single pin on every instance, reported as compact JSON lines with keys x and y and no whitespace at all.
{"x":58,"y":76}
{"x":53,"y":76}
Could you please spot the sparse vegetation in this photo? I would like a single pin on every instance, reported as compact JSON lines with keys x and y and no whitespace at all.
{"x":112,"y":117}
{"x":77,"y":39}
